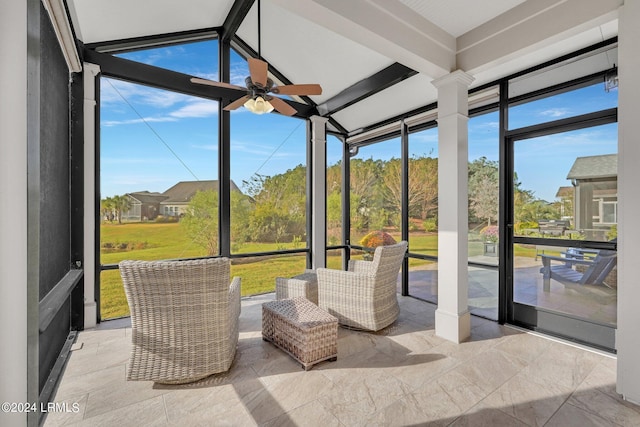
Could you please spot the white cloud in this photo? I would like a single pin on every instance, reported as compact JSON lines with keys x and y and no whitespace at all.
{"x":110,"y":123}
{"x":555,"y":112}
{"x":424,"y":137}
{"x":249,"y":148}
{"x":113,"y":91}
{"x":152,"y":56}
{"x":196,"y":109}
{"x":238,"y":74}
{"x":193,"y":109}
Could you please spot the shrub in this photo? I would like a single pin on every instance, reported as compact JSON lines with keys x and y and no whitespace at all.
{"x":430,"y":225}
{"x":490,"y":233}
{"x":521,"y":226}
{"x":109,"y":247}
{"x":377,"y":238}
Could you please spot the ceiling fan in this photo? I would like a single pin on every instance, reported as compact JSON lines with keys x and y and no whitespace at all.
{"x":258,"y":95}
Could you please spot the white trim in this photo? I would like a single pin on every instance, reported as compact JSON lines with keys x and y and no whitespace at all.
{"x":319,"y":191}
{"x":14,"y":357}
{"x":90,"y":306}
{"x":58,"y":16}
{"x":478,"y":99}
{"x":628,"y":333}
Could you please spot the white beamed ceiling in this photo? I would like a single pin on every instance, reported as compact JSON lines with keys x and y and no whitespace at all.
{"x":337,"y":43}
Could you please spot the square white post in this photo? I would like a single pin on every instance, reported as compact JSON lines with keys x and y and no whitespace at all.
{"x":453,"y":321}
{"x":15,"y":336}
{"x":89,"y":82}
{"x":628,"y":337}
{"x":319,"y":192}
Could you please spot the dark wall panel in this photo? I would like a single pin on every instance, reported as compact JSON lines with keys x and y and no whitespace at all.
{"x":54,"y":227}
{"x":77,"y":195}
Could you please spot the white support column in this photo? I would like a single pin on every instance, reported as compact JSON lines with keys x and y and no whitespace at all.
{"x":453,"y":320}
{"x":14,"y":362}
{"x":628,"y":335}
{"x":319,"y":192}
{"x":89,"y":81}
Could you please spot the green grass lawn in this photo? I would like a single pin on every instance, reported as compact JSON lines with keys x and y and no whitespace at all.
{"x":149,"y":241}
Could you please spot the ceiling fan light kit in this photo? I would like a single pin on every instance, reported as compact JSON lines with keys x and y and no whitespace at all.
{"x":259,"y":105}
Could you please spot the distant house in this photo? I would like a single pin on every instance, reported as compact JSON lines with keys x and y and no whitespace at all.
{"x":145,"y":206}
{"x":566,"y":195}
{"x":595,"y":180}
{"x":177,"y":198}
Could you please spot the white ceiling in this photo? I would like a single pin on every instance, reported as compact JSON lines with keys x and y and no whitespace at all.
{"x":446,"y":14}
{"x":338,"y":43}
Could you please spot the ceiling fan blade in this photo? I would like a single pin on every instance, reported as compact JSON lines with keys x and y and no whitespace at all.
{"x":306,"y":89}
{"x":237,"y":103}
{"x":282,"y":106}
{"x":258,"y":70}
{"x":217,"y":84}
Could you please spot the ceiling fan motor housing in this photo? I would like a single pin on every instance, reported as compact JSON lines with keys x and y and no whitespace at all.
{"x":256,"y":89}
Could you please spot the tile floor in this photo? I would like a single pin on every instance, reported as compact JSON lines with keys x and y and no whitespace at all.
{"x":595,"y":303}
{"x":403,"y":375}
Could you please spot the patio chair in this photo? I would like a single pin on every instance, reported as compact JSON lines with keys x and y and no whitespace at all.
{"x":184,"y":319}
{"x":597,"y":268}
{"x":364,"y":297}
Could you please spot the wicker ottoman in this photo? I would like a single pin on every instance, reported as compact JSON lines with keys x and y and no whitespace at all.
{"x":302,"y":285}
{"x":302,"y":329}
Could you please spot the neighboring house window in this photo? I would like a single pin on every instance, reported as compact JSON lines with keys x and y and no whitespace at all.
{"x":596,"y":210}
{"x":606,"y":209}
{"x":610,"y":212}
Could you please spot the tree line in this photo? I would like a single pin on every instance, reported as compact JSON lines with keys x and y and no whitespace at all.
{"x":272,"y":209}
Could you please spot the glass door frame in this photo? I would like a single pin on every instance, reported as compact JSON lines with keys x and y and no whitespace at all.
{"x":549,"y":322}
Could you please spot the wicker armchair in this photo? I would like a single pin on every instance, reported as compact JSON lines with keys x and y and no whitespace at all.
{"x":184,"y":318}
{"x":365,"y":296}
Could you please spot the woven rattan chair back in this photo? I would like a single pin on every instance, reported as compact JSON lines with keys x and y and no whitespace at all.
{"x":184,"y":318}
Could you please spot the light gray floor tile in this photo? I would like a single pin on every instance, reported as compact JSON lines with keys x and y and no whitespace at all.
{"x":402,"y":375}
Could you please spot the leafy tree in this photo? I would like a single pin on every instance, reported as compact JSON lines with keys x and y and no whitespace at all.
{"x":390,"y":177}
{"x":536,"y":210}
{"x":334,"y":218}
{"x":366,"y":195}
{"x":121,"y":204}
{"x":107,"y":209}
{"x":280,"y":205}
{"x":241,"y":209}
{"x":268,"y":224}
{"x":334,"y":203}
{"x":334,"y":178}
{"x":201,"y":220}
{"x":484,"y":189}
{"x":112,"y":207}
{"x":423,"y":186}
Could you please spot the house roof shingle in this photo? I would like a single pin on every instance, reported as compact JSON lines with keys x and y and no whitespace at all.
{"x":564,"y":192}
{"x":147,"y":197}
{"x":183,"y":191}
{"x":603,"y":166}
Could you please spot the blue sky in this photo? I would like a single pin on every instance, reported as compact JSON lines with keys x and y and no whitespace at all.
{"x":152,"y":139}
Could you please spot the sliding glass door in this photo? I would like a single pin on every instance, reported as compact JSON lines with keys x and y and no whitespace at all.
{"x":563,"y":230}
